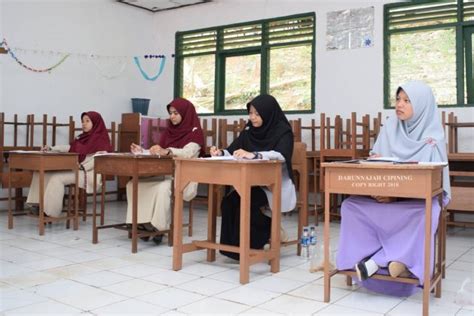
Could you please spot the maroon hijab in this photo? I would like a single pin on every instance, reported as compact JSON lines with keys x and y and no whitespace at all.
{"x":97,"y":139}
{"x":189,"y":130}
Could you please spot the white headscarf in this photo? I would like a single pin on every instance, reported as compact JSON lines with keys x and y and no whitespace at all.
{"x":420,"y":138}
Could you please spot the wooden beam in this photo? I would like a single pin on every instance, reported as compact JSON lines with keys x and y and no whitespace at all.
{"x":3,"y":50}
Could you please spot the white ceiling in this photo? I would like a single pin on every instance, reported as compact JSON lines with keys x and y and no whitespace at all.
{"x":161,"y":5}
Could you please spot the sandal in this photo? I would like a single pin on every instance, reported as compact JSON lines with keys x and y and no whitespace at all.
{"x":158,"y":239}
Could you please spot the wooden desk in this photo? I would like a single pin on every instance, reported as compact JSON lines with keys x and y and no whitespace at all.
{"x":242,"y":175}
{"x":42,"y":162}
{"x":127,"y":165}
{"x":410,"y":181}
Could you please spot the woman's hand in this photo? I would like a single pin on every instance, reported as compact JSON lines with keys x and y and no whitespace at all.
{"x":157,"y":150}
{"x":384,"y":199}
{"x":215,"y":152}
{"x":240,"y":154}
{"x":136,"y":149}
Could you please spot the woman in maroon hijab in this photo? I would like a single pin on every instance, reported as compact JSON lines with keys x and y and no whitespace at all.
{"x":182,"y":138}
{"x":94,"y":139}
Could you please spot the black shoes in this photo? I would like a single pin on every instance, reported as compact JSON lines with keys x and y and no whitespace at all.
{"x":365,"y":269}
{"x":158,"y":239}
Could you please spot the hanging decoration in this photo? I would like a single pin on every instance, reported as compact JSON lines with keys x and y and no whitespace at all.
{"x":82,"y":58}
{"x":102,"y":72}
{"x":144,"y":74}
{"x":12,"y":54}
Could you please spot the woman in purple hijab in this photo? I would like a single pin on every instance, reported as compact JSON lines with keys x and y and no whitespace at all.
{"x":386,"y":235}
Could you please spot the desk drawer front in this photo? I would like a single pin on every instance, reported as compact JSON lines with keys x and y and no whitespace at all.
{"x":384,"y":182}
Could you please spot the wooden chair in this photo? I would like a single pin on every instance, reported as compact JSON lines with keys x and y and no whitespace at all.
{"x":351,"y":143}
{"x":461,"y":165}
{"x":308,"y":134}
{"x":82,"y":195}
{"x":210,"y":138}
{"x":225,"y":129}
{"x":300,"y":166}
{"x":17,"y":128}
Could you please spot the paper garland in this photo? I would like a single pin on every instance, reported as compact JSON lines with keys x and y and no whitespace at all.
{"x":106,"y":76}
{"x":144,"y":74}
{"x":12,"y":54}
{"x":92,"y":58}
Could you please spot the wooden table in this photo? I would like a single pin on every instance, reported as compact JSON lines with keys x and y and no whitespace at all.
{"x":399,"y":180}
{"x":128,"y":165}
{"x":42,"y":162}
{"x":242,"y":175}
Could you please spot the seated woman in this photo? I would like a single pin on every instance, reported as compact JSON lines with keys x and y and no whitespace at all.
{"x":267,"y":135}
{"x":94,"y":139}
{"x":380,"y":232}
{"x":183,"y":138}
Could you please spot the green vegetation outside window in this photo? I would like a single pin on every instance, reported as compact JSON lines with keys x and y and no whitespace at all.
{"x":220,"y":69}
{"x":430,"y":41}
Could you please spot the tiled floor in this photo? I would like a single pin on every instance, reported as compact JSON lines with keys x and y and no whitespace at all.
{"x":62,"y":272}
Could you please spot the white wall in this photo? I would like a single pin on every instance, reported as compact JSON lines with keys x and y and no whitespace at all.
{"x":101,"y":27}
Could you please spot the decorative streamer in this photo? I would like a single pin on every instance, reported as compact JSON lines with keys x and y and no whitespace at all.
{"x":12,"y":54}
{"x":144,"y":74}
{"x":102,"y":72}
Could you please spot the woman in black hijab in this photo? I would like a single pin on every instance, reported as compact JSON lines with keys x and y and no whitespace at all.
{"x":267,"y":135}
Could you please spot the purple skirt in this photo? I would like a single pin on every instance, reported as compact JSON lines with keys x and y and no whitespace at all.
{"x":386,"y":232}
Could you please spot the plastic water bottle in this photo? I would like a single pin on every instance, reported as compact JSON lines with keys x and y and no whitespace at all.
{"x":305,"y":244}
{"x":312,"y":241}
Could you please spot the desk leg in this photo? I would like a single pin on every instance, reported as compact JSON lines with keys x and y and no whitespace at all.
{"x":327,"y":278}
{"x":211,"y":222}
{"x":244,"y":230}
{"x":134,"y":213}
{"x":94,"y":211}
{"x":19,"y":205}
{"x":10,"y":211}
{"x":178,"y":228}
{"x":41,"y":203}
{"x":76,"y":200}
{"x":102,"y":201}
{"x":427,"y":274}
{"x":276,"y":224}
{"x":178,"y":219}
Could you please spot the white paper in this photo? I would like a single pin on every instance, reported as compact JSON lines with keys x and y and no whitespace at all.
{"x":384,"y":159}
{"x":434,"y":163}
{"x":220,"y":158}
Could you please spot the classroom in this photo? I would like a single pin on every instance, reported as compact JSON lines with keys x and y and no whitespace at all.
{"x":237,"y":157}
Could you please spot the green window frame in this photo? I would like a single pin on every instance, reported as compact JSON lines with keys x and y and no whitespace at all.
{"x":245,"y":39}
{"x":409,"y":18}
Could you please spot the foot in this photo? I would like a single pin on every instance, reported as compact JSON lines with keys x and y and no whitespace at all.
{"x":365,"y":269}
{"x":158,"y":239}
{"x":397,"y":269}
{"x":34,"y":209}
{"x":142,"y":227}
{"x":149,"y":227}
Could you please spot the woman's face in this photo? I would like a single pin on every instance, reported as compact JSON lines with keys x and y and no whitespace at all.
{"x":254,"y":117}
{"x":403,"y":107}
{"x":86,"y":124}
{"x":175,"y":117}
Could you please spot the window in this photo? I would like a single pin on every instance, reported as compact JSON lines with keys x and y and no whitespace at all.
{"x":220,"y":69}
{"x":430,"y":41}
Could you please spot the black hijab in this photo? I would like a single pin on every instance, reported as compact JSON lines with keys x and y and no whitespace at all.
{"x":274,"y":134}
